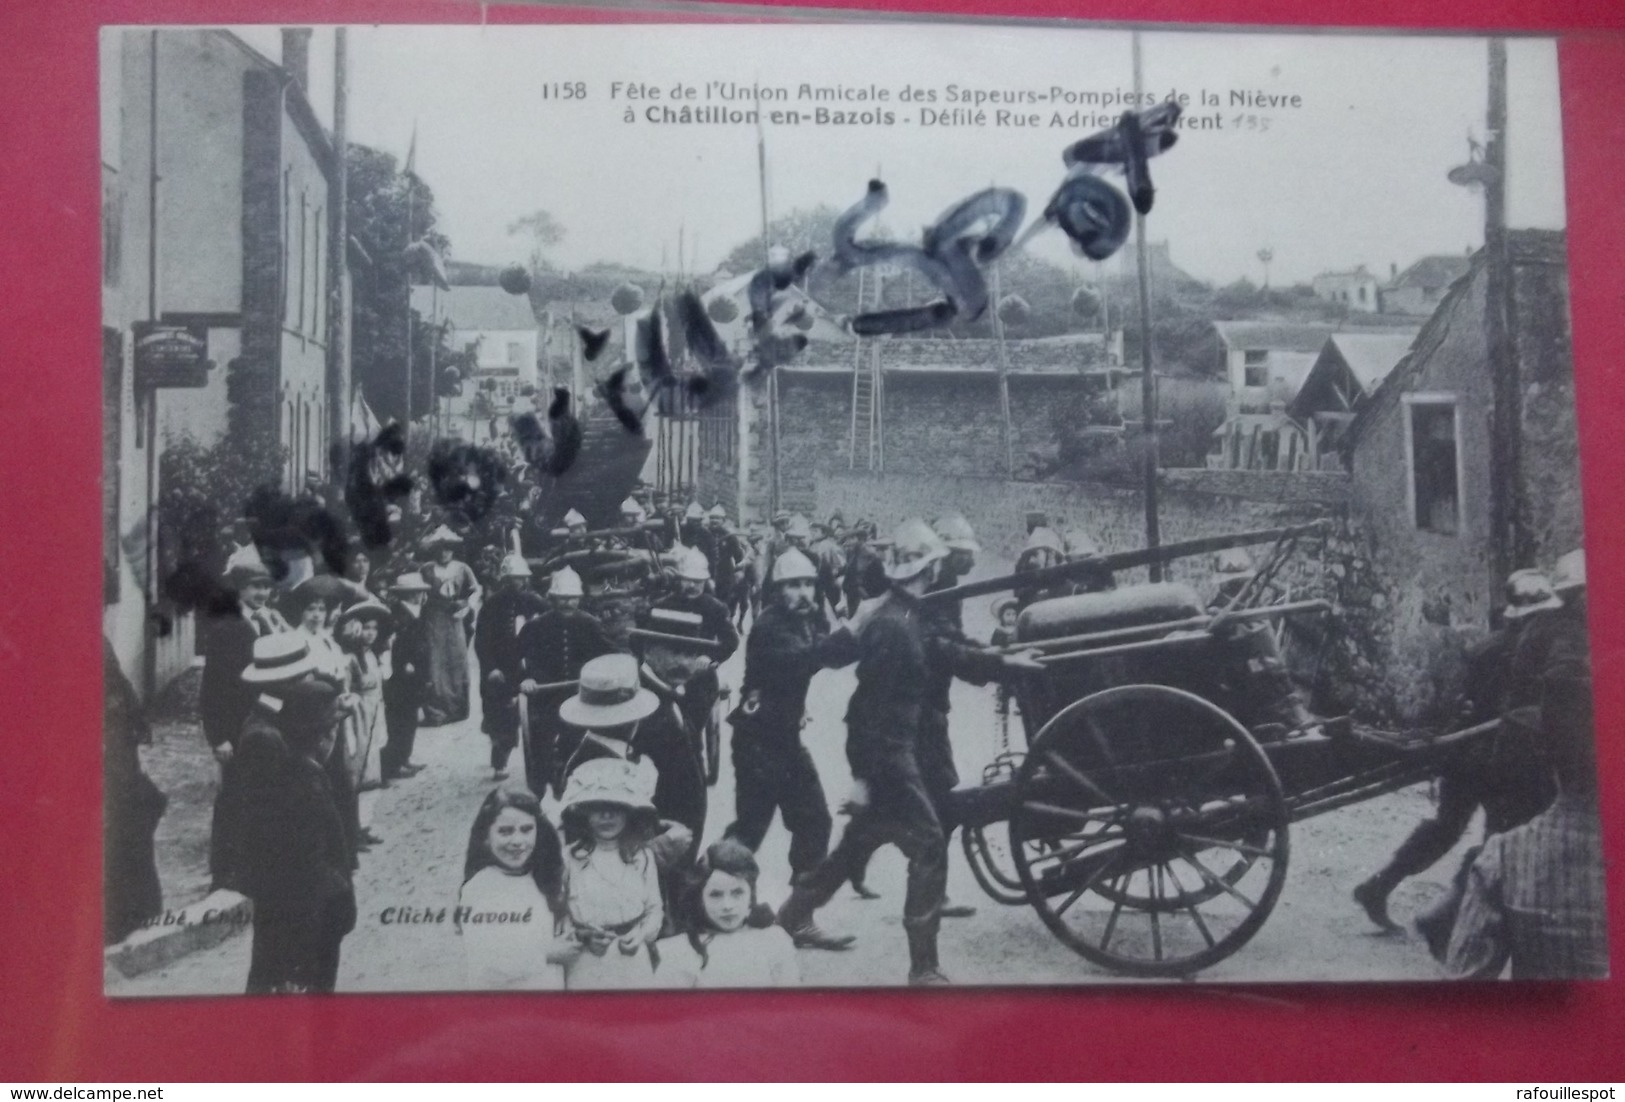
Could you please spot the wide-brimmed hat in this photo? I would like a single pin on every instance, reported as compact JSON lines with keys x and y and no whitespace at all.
{"x":245,"y":565}
{"x":1002,"y":603}
{"x":956,"y":532}
{"x":609,"y":694}
{"x":514,"y":566}
{"x":441,"y":537}
{"x":410,"y":582}
{"x":370,"y":609}
{"x":332,"y":590}
{"x":610,"y":781}
{"x":1529,"y":592}
{"x":1569,"y":572}
{"x":914,"y":548}
{"x":565,"y":583}
{"x":282,"y":656}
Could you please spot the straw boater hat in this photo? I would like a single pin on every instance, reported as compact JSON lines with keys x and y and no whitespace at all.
{"x":283,"y":656}
{"x":1529,"y":592}
{"x":441,"y":537}
{"x":609,"y":695}
{"x":565,"y":583}
{"x":1569,"y":572}
{"x":612,"y":781}
{"x":410,"y":582}
{"x":514,"y":566}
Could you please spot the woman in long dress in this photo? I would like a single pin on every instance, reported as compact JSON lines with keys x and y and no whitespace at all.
{"x":453,"y":589}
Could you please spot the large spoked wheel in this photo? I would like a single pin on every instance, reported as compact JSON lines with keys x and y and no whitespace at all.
{"x":993,"y":865}
{"x":1149,"y":830}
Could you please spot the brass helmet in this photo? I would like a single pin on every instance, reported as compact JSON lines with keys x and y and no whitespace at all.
{"x":790,"y":566}
{"x":956,"y":532}
{"x":914,"y":547}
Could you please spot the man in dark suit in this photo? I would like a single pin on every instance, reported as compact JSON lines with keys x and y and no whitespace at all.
{"x":496,"y":645}
{"x":408,"y":679}
{"x":552,"y":649}
{"x":228,"y":650}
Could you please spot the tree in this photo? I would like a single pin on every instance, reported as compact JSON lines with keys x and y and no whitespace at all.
{"x":544,"y":232}
{"x":387,"y":211}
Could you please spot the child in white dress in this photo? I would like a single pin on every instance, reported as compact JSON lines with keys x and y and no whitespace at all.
{"x":612,"y":889}
{"x":509,"y":912}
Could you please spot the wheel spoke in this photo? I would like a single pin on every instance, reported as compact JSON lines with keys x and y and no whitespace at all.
{"x":1154,"y":875}
{"x":1065,"y":854}
{"x":1207,"y":875}
{"x":1100,"y":740}
{"x":1072,"y":773}
{"x":1117,"y":909}
{"x":1239,"y":847}
{"x":1224,"y":762}
{"x":1110,"y":864}
{"x":1190,"y":905}
{"x":1075,"y":816}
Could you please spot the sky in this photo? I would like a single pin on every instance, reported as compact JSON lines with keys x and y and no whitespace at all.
{"x":1355,"y":175}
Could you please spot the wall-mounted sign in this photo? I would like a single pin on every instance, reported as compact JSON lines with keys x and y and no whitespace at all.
{"x":171,"y":355}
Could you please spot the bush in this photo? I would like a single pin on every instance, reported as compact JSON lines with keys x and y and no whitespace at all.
{"x":202,"y":493}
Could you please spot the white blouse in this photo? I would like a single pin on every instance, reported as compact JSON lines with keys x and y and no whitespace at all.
{"x":507,"y":932}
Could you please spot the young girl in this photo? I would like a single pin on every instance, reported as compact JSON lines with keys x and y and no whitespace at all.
{"x":511,"y":906}
{"x":735,"y":943}
{"x":357,"y":632}
{"x":612,"y":888}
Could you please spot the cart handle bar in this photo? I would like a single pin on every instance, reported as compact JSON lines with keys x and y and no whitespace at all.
{"x":688,"y":641}
{"x":1122,"y":560}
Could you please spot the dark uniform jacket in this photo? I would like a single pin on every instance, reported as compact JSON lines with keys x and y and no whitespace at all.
{"x":715,"y":623}
{"x":555,"y":645}
{"x":496,"y":633}
{"x":409,"y":660}
{"x":865,"y":575}
{"x":782,"y":654}
{"x":883,"y":715}
{"x":223,"y":697}
{"x":951,"y":654}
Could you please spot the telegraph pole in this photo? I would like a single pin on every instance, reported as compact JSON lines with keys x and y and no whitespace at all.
{"x":1148,"y":379}
{"x":1509,"y":541}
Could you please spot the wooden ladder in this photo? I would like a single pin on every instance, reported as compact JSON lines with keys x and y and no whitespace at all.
{"x":866,"y":398}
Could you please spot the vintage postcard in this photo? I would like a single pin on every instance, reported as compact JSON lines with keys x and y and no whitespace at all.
{"x":833,"y":505}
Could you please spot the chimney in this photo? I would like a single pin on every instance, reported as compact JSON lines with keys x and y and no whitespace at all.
{"x":296,"y":55}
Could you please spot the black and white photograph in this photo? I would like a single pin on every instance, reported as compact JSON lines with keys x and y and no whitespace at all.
{"x":668,"y":506}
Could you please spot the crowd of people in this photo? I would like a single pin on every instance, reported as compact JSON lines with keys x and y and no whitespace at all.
{"x":596,"y":655}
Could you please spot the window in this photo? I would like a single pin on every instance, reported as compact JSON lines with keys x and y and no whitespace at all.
{"x":287,"y":210}
{"x":1255,"y":367}
{"x":516,"y":353}
{"x":1432,"y":451}
{"x":1362,"y":296}
{"x":318,"y":279}
{"x":304,"y":256}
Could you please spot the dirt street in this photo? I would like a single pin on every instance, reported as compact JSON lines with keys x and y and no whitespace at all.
{"x":1316,"y":933}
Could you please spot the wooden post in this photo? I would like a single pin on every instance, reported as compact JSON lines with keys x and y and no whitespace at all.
{"x":1509,"y":539}
{"x":1148,"y":379}
{"x":1004,"y":377}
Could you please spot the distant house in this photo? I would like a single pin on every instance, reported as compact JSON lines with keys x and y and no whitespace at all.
{"x":1269,"y":441}
{"x":1419,"y":289}
{"x":503,"y":332}
{"x":1357,"y":289}
{"x":1265,"y":362}
{"x":1349,"y":368}
{"x":1421,"y":457}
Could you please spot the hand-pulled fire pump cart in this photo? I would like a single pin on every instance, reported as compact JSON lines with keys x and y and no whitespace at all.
{"x":1147,"y":821}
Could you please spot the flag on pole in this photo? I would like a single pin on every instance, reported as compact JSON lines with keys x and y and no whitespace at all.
{"x":412,"y":152}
